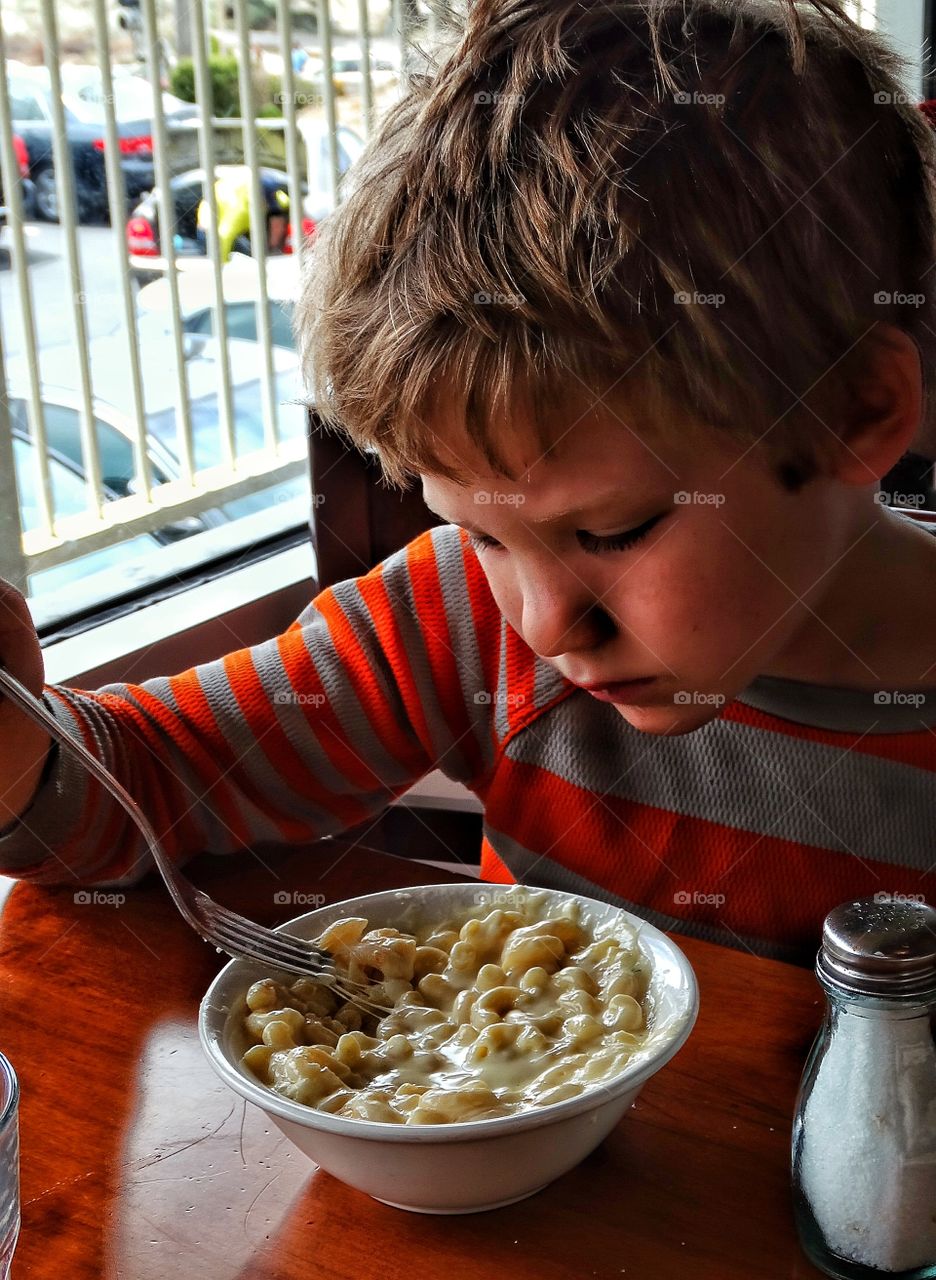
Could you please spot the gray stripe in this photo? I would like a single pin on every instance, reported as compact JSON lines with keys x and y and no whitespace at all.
{"x":542,"y":872}
{"x":501,"y":708}
{"x":291,"y":717}
{"x":216,"y":834}
{"x":751,"y":779}
{"x":463,"y":636}
{"x":356,"y":730}
{"x":158,"y":687}
{"x":884,"y":710}
{"x":250,"y":760}
{"x":96,"y":720}
{"x":547,"y":682}
{"x":416,"y":634}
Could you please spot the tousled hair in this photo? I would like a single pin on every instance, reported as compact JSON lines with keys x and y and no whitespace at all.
{"x":701,"y":207}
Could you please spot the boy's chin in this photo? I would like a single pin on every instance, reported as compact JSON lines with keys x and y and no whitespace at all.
{"x":667,"y":719}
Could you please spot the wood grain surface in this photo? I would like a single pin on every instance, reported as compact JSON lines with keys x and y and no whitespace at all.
{"x":138,"y":1163}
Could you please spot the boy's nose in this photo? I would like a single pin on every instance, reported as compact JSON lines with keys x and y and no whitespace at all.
{"x":555,"y":623}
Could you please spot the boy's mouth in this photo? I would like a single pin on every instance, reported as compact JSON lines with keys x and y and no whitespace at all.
{"x":627,"y":691}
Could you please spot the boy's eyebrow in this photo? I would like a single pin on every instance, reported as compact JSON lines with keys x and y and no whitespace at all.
{"x":594,"y":504}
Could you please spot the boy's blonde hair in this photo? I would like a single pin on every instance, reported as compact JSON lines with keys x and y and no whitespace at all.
{"x":701,"y":205}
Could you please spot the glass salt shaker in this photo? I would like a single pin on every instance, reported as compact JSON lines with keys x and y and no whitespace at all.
{"x":864,"y":1132}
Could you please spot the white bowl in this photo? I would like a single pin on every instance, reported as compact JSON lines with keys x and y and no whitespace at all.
{"x":471,"y":1165}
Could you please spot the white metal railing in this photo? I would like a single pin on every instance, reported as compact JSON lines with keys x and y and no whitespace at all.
{"x":56,"y":539}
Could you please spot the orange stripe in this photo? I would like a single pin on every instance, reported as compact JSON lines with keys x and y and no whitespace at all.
{"x":916,"y":748}
{"x":521,"y":681}
{"x":304,"y":679}
{"x":374,"y":594}
{"x":190,"y":697}
{"x":491,"y":866}
{"x":274,"y":744}
{"x":773,"y":888}
{"x":433,"y":622}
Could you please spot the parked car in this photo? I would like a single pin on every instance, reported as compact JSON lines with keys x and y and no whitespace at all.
{"x":147,"y":262}
{"x":114,"y":420}
{"x":348,"y":69}
{"x":62,"y":418}
{"x":22,"y":160}
{"x":318,"y":198}
{"x":68,"y":498}
{"x":196,"y":292}
{"x":83,"y":103}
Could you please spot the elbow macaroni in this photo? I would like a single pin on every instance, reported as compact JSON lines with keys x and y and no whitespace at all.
{"x":498,"y":1013}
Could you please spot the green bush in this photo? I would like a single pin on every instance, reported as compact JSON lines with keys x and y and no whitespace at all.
{"x":269,"y":94}
{"x":225,"y":91}
{"x":222,"y":70}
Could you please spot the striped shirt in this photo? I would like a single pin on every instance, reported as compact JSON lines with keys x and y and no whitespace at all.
{"x":744,"y":831}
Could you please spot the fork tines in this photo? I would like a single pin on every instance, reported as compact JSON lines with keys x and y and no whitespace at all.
{"x":240,"y":937}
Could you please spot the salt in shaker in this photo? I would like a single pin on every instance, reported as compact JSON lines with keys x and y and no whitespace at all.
{"x":864,"y":1133}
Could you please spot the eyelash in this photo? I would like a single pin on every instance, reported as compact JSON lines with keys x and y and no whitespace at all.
{"x":590,"y":542}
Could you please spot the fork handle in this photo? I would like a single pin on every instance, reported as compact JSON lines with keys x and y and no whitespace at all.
{"x":20,"y":696}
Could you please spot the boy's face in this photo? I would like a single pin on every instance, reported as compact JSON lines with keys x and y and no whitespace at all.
{"x":726,"y":573}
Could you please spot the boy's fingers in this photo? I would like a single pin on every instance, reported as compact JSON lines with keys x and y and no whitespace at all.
{"x":19,"y":644}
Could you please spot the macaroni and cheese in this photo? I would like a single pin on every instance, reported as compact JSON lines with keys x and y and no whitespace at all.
{"x":498,"y":1011}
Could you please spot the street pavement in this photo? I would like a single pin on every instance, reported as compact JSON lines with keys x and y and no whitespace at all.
{"x":51,"y":291}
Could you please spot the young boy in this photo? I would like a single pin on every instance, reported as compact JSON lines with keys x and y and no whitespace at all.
{"x":640,"y":293}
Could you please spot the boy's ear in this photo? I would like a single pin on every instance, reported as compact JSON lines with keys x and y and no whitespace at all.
{"x":881,"y":408}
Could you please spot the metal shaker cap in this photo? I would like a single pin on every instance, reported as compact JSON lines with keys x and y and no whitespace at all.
{"x":882,"y":946}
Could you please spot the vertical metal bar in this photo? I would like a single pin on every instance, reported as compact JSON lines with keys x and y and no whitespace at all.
{"x":12,"y":557}
{"x":206,"y":155}
{"x":166,"y":215}
{"x":9,"y":167}
{"x":258,"y":224}
{"x":367,"y":87}
{"x":399,"y":11}
{"x":117,"y":202}
{"x":284,"y":22}
{"x":328,"y":88}
{"x":65,"y":190}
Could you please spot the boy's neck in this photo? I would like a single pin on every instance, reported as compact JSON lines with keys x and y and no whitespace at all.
{"x":875,"y":627}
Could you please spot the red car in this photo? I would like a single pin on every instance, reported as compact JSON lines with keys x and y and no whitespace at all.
{"x":22,"y":159}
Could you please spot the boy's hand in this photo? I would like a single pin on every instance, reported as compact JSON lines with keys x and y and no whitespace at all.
{"x":23,"y":744}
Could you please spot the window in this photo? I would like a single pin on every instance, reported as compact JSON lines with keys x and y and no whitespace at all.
{"x":159,"y":383}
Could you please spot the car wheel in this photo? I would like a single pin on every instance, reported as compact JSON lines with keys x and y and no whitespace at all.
{"x":46,"y":196}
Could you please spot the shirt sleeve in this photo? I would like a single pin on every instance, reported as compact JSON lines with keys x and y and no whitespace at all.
{"x":382,"y":679}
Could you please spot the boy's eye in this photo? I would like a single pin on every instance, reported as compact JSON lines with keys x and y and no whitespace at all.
{"x":616,"y":541}
{"x":590,"y":542}
{"x":479,"y":540}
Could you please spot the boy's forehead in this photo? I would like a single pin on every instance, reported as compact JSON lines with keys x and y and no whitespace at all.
{"x":522,"y":437}
{"x":595,"y":455}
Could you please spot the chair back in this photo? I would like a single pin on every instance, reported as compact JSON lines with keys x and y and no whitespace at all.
{"x":357,"y":521}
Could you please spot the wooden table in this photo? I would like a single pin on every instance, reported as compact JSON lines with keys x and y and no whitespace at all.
{"x":139,"y":1164}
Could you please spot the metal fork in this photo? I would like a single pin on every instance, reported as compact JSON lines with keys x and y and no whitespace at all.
{"x":222,"y":928}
